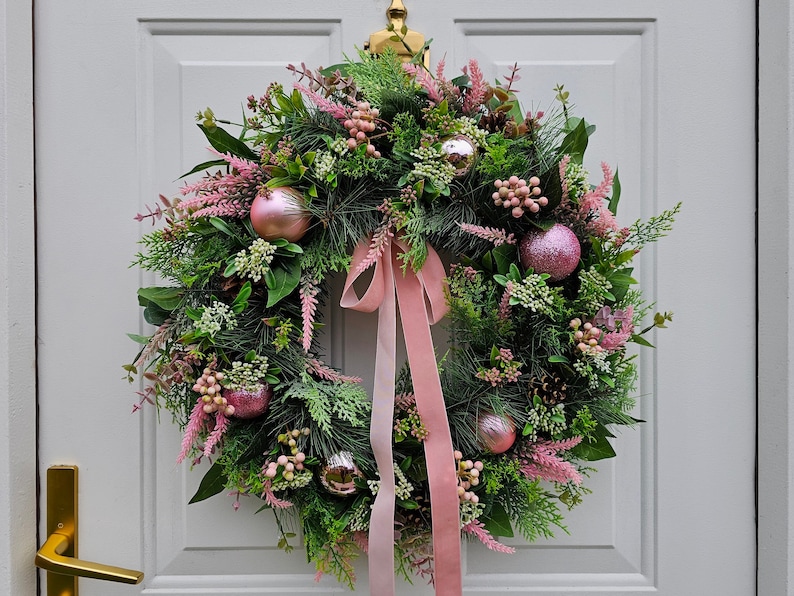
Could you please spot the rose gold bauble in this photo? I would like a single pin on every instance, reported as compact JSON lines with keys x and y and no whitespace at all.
{"x":249,"y":404}
{"x":338,"y":474}
{"x":460,"y":151}
{"x":496,"y":433}
{"x":280,"y":214}
{"x":555,"y":251}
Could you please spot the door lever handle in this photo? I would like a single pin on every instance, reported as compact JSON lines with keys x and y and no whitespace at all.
{"x":50,"y":557}
{"x":58,"y":554}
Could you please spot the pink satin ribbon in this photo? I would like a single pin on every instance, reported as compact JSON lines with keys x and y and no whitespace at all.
{"x":422,"y":303}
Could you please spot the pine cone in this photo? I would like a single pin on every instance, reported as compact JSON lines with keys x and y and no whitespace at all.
{"x":493,"y":122}
{"x":550,"y":388}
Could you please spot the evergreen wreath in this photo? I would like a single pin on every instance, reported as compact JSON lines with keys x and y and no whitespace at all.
{"x":540,"y":298}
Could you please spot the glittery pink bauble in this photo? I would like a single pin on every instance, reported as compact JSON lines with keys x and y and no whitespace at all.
{"x":248,"y":404}
{"x":555,"y":251}
{"x":496,"y":433}
{"x":339,"y":473}
{"x":280,"y":214}
{"x":460,"y":152}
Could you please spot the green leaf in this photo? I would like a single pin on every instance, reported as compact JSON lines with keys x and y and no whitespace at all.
{"x":575,"y":142}
{"x":504,"y":255}
{"x":638,"y":339}
{"x":608,"y":380}
{"x":231,"y":269}
{"x":225,"y":143}
{"x":528,"y":429}
{"x":543,"y":224}
{"x":203,"y":166}
{"x":342,"y":68}
{"x":154,"y":315}
{"x":497,"y":522}
{"x":556,"y":358}
{"x":598,"y":447}
{"x":166,"y":298}
{"x":407,"y":504}
{"x":613,"y":202}
{"x":286,"y":279}
{"x":141,"y":339}
{"x":213,"y":483}
{"x":222,"y":226}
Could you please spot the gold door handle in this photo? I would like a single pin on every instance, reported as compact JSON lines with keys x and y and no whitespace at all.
{"x":58,"y":555}
{"x":404,"y":41}
{"x":50,"y":557}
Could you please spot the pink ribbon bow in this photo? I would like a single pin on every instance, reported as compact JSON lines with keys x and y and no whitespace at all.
{"x":422,"y":303}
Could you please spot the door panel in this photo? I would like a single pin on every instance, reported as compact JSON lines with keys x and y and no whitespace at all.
{"x":117,"y":87}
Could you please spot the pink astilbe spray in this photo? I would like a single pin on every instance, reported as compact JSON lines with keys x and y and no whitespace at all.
{"x":495,"y":235}
{"x":477,"y":91}
{"x":321,"y":370}
{"x":622,"y":329}
{"x":361,"y":540}
{"x":541,"y":460}
{"x":225,"y":195}
{"x":476,"y":528}
{"x":380,"y":240}
{"x":308,"y":293}
{"x":337,"y":110}
{"x":504,"y":305}
{"x":221,"y":424}
{"x":592,"y":206}
{"x":426,"y":81}
{"x":198,"y":420}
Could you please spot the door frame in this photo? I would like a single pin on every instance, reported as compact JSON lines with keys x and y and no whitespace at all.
{"x":775,"y":300}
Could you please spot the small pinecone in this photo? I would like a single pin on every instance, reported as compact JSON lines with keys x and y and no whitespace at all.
{"x":493,"y":122}
{"x":550,"y":388}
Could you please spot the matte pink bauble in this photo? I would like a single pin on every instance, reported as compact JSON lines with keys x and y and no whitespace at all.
{"x":339,"y":473}
{"x":460,"y":151}
{"x":555,"y":251}
{"x":280,"y":214}
{"x":249,"y":404}
{"x":495,"y":433}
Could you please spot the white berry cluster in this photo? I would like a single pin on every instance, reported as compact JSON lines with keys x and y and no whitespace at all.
{"x":432,"y":166}
{"x":469,"y":128}
{"x":533,"y":293}
{"x":547,"y":419}
{"x":469,"y":511}
{"x":402,"y":488}
{"x":359,"y":518}
{"x":255,"y":262}
{"x":246,"y":376}
{"x":299,"y":480}
{"x":576,"y":178}
{"x":324,"y":164}
{"x":214,"y":317}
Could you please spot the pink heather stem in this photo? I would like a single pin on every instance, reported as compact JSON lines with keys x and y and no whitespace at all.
{"x":221,"y":424}
{"x":476,"y":528}
{"x":476,"y":93}
{"x":504,"y":305}
{"x":196,"y":423}
{"x":494,"y":235}
{"x":308,"y":295}
{"x":318,"y":368}
{"x":378,"y":244}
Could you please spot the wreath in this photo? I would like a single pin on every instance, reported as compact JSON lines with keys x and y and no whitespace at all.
{"x":369,"y":168}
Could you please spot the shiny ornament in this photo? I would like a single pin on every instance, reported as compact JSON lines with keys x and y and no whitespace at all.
{"x":338,"y":474}
{"x":555,"y":251}
{"x":460,"y":152}
{"x":249,"y":404}
{"x":496,"y":434}
{"x":280,"y":214}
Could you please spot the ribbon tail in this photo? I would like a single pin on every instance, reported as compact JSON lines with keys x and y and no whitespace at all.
{"x":381,"y":527}
{"x":438,"y":444}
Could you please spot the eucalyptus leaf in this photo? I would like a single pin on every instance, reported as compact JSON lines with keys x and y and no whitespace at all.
{"x":596,"y":447}
{"x":225,"y":143}
{"x":166,"y":298}
{"x":141,"y":339}
{"x":212,"y":484}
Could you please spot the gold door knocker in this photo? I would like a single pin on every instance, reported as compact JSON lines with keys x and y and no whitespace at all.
{"x":397,"y":35}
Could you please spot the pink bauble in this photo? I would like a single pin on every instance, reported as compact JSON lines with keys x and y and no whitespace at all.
{"x":249,"y":404}
{"x":495,"y":433}
{"x":555,"y":251}
{"x":280,"y":214}
{"x":338,"y":474}
{"x":460,"y":151}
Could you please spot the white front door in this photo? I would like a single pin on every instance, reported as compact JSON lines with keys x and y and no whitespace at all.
{"x":671,"y":88}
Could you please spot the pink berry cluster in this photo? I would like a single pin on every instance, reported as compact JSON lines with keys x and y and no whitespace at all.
{"x":361,"y":122}
{"x":586,"y":337}
{"x":287,"y":465}
{"x":468,"y":476}
{"x":505,"y":369}
{"x":209,"y":386}
{"x":515,"y":193}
